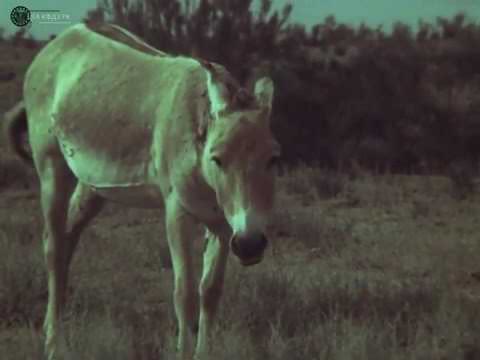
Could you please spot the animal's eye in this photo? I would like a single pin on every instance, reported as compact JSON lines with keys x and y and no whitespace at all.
{"x":217,"y":161}
{"x":274,"y":160}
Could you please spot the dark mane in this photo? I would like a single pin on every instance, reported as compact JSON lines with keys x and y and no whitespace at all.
{"x":116,"y":33}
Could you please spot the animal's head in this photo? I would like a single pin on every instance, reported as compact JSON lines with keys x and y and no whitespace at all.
{"x":238,"y":160}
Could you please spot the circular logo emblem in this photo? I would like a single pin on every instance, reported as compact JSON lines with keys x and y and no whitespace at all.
{"x":20,"y":16}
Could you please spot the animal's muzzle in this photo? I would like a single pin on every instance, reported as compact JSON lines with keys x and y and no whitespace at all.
{"x":249,"y":248}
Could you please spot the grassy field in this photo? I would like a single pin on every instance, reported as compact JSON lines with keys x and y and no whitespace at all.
{"x":364,"y":267}
{"x":376,"y":267}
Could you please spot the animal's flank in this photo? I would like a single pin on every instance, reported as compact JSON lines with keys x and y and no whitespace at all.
{"x":15,"y":127}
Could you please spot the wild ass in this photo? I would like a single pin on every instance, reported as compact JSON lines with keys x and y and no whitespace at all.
{"x":119,"y":120}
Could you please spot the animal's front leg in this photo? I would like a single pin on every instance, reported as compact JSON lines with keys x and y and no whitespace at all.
{"x":211,"y":286}
{"x":180,"y":232}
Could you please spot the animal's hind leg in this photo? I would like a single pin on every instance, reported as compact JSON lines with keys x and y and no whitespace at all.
{"x":56,"y":186}
{"x":85,"y":204}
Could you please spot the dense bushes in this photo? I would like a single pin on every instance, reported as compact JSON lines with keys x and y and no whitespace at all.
{"x":399,"y":101}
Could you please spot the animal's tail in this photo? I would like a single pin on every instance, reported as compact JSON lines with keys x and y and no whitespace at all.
{"x":15,"y":127}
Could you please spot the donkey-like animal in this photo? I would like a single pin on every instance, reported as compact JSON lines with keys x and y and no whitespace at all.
{"x":111,"y":118}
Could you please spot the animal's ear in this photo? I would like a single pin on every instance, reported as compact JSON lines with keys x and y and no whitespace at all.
{"x":264,"y":93}
{"x":204,"y":119}
{"x":218,"y":93}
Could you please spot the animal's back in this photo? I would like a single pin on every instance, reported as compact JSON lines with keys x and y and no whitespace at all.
{"x":79,"y":57}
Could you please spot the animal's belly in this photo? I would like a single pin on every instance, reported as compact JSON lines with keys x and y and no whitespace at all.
{"x":141,"y":196}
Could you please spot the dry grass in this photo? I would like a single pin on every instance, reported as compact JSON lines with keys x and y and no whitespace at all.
{"x":376,"y":267}
{"x":379,"y":268}
{"x":14,"y":175}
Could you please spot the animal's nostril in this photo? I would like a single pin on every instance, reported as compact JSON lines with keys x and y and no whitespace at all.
{"x":247,"y":247}
{"x":235,"y":246}
{"x":263,"y":242}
